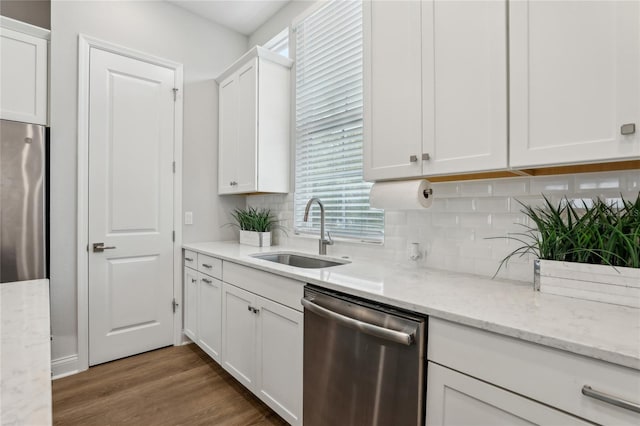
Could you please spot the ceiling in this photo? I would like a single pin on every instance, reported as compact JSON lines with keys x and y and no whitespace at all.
{"x":243,"y":16}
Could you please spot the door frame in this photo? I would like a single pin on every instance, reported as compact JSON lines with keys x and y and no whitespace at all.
{"x":85,"y":44}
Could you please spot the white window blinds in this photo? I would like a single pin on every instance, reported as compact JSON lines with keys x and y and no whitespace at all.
{"x":328,"y":53}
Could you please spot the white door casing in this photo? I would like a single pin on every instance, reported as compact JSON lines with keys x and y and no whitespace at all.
{"x":163,"y":222}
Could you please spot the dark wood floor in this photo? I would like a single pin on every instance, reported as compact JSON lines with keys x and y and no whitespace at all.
{"x":171,"y":386}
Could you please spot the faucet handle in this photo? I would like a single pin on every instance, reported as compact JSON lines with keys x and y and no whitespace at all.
{"x":328,"y":241}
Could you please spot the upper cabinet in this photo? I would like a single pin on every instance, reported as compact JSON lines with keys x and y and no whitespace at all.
{"x":254,"y":125}
{"x":575,"y":81}
{"x":435,"y":81}
{"x":441,"y":99}
{"x":23,"y":72}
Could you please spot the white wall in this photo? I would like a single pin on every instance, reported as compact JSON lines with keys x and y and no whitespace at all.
{"x":158,"y":28}
{"x":454,"y":231}
{"x":279,"y":21}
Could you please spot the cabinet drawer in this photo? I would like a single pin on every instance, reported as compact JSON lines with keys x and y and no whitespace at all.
{"x":210,"y":266}
{"x":190,"y":259}
{"x":547,"y":375}
{"x":283,"y":290}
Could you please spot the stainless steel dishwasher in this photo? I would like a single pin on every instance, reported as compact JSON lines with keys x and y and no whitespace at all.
{"x":364,"y":364}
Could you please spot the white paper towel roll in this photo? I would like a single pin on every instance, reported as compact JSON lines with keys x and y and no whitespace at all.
{"x":401,"y":195}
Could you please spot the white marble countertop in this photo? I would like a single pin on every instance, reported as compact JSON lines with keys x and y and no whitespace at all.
{"x":597,"y":330}
{"x":25,"y":353}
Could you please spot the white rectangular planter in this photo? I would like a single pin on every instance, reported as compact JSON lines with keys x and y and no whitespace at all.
{"x":600,"y":283}
{"x":256,"y":239}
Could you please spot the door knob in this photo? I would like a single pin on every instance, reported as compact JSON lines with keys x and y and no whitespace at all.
{"x":99,"y":247}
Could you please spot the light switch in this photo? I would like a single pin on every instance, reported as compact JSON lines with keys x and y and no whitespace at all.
{"x":188,"y":218}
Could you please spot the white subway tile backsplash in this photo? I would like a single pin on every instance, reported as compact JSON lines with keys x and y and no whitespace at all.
{"x":454,"y":232}
{"x":493,"y":204}
{"x":446,"y":189}
{"x":461,"y":205}
{"x":481,"y":188}
{"x":546,"y":185}
{"x":511,"y":187}
{"x":470,"y":220}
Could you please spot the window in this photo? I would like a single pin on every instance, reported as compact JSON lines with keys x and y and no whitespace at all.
{"x":328,"y":53}
{"x":279,"y":43}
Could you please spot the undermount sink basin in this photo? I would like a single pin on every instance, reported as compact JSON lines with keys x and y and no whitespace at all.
{"x":299,"y":260}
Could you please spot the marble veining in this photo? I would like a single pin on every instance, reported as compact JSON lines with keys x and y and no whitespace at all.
{"x":597,"y":330}
{"x":25,"y":353}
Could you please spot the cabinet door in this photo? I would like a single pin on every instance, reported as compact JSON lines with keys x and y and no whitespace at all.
{"x":228,"y":131}
{"x":392,"y":89}
{"x":190,"y":303}
{"x":465,"y":110}
{"x":23,"y":77}
{"x":454,"y":399}
{"x":210,"y":315}
{"x":239,"y":334}
{"x":574,"y":81}
{"x":279,"y":358}
{"x":246,"y":160}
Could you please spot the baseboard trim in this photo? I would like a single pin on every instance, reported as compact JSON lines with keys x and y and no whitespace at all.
{"x":65,"y":366}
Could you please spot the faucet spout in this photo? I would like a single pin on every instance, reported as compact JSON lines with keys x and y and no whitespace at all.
{"x":324,"y":242}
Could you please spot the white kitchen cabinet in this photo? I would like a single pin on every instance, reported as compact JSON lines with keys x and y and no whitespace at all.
{"x":254,"y":120}
{"x":23,"y":72}
{"x":279,"y":359}
{"x":455,"y":399}
{"x":239,"y":334}
{"x":438,"y":104}
{"x":574,"y":81}
{"x":507,"y":377}
{"x":209,"y":308}
{"x":203,"y":301}
{"x":262,"y":329}
{"x":190,"y":305}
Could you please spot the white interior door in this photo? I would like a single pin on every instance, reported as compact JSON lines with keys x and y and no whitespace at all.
{"x":131,"y":137}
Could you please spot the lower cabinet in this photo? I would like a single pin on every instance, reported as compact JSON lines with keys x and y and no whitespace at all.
{"x":202,"y":310}
{"x":262,"y":348}
{"x":476,"y":377}
{"x":455,"y":399}
{"x":209,"y":306}
{"x":190,"y":303}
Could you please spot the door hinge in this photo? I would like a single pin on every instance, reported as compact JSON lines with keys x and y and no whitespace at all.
{"x":175,"y":94}
{"x":173,"y":236}
{"x":174,"y":305}
{"x":174,"y":167}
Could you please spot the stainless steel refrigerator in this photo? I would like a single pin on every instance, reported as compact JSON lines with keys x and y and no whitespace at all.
{"x":23,"y":203}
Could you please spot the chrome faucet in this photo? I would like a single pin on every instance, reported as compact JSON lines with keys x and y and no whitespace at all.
{"x":323,"y":243}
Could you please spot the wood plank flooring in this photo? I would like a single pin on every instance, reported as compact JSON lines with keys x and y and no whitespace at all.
{"x":177,"y":385}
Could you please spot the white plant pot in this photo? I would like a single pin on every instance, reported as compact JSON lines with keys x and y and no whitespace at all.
{"x":256,"y":239}
{"x":600,"y":283}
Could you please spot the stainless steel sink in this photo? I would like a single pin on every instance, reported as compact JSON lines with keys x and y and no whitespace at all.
{"x":299,"y":260}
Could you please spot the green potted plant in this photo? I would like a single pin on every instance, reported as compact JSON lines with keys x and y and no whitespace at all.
{"x":590,"y":251}
{"x":255,"y":225}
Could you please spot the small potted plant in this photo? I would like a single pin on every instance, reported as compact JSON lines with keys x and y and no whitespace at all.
{"x":589,"y":251}
{"x":255,"y":226}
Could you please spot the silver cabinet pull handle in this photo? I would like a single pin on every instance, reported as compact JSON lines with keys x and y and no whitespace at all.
{"x":610,"y":399}
{"x":99,"y":247}
{"x":206,"y":265}
{"x":628,"y":129}
{"x":193,"y":280}
{"x":426,"y":157}
{"x":413,"y":158}
{"x":207,"y":281}
{"x":188,"y":259}
{"x":370,"y":329}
